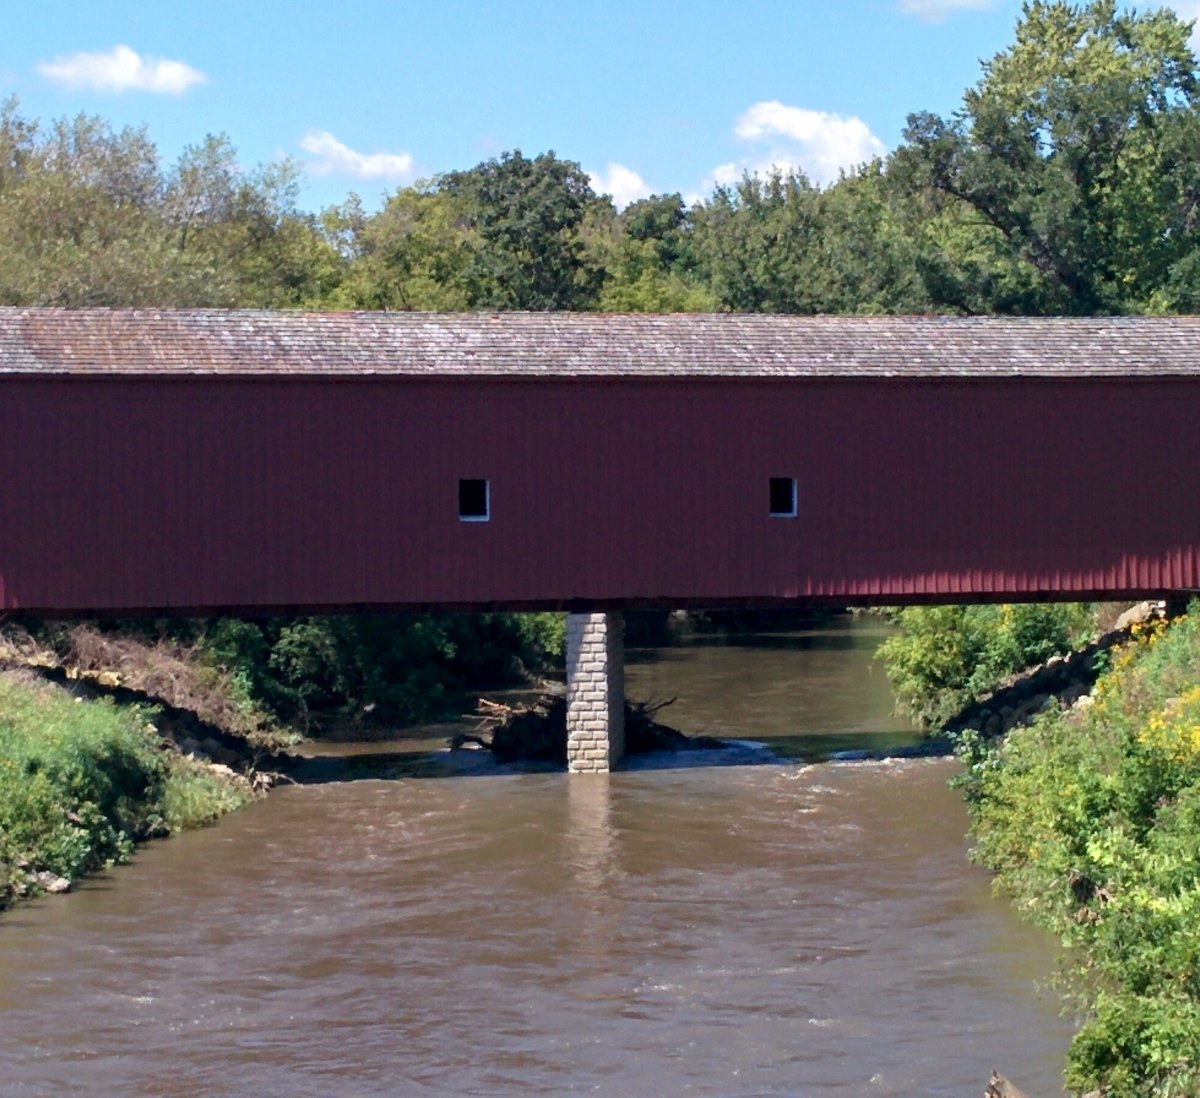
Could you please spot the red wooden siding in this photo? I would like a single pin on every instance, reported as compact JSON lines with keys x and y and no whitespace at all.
{"x":191,"y":493}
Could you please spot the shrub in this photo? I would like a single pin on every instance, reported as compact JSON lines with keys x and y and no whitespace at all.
{"x":942,"y":658}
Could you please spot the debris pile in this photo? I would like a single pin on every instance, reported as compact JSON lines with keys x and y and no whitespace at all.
{"x":538,"y":732}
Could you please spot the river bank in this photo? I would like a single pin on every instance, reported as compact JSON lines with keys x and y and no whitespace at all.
{"x":93,"y":763}
{"x":1087,"y":811}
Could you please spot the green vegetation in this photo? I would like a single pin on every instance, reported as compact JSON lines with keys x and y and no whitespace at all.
{"x":80,"y":783}
{"x":1067,"y":182}
{"x":396,"y":668}
{"x":256,"y":678}
{"x":1090,"y":820}
{"x":942,"y":658}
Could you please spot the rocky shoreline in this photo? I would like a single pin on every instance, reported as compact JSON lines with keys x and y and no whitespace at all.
{"x":1063,"y":680}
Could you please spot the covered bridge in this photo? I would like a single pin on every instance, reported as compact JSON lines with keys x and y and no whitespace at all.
{"x":252,"y":462}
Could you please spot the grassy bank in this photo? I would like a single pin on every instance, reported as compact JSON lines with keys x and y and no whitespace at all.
{"x":1090,"y":819}
{"x":81,"y":781}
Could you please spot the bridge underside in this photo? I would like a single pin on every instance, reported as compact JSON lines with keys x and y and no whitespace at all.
{"x":613,"y":606}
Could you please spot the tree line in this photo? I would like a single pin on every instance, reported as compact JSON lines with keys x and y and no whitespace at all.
{"x":1067,"y":183}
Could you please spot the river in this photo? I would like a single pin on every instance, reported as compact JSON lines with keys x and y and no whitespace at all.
{"x":418,"y":925}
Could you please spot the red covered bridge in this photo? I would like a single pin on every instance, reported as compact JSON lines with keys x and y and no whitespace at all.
{"x":204,"y":461}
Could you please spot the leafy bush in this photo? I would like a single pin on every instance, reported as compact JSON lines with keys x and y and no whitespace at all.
{"x":398,"y":667}
{"x":945,"y":657}
{"x":1091,"y":821}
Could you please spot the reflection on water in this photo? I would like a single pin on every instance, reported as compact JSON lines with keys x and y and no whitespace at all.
{"x":781,"y":929}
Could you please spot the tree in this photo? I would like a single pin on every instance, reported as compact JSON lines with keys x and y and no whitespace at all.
{"x":1076,"y":160}
{"x":757,"y":244}
{"x":418,"y":252}
{"x":783,"y":245}
{"x":88,"y":217}
{"x":646,"y":252}
{"x":531,"y":219}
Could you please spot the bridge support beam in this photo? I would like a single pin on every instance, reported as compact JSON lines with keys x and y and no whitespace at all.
{"x":595,"y":692}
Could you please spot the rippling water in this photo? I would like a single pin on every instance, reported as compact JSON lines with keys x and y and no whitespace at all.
{"x":781,"y":928}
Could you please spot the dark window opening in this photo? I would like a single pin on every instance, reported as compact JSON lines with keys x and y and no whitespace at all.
{"x":474,"y":501}
{"x":783,"y":497}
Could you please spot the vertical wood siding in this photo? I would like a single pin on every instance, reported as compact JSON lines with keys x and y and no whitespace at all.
{"x":194,"y":493}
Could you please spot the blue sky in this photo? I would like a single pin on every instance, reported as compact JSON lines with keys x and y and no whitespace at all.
{"x":647,"y":95}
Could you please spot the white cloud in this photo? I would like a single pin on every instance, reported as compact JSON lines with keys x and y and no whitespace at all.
{"x":334,"y":158}
{"x":623,"y":184}
{"x":934,"y":11}
{"x":725,"y":175}
{"x":121,"y":69}
{"x":788,"y":139}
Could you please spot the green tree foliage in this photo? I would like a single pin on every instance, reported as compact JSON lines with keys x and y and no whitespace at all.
{"x":531,"y":218}
{"x":418,"y":252}
{"x":510,"y":233}
{"x":1068,"y":181}
{"x":396,"y":668}
{"x":942,"y":658}
{"x":88,"y":216}
{"x":783,"y":245}
{"x":648,"y":256}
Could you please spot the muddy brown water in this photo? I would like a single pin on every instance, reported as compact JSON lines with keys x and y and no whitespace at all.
{"x":768,"y":926}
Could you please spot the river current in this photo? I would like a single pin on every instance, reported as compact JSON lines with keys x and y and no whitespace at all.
{"x":414,"y":924}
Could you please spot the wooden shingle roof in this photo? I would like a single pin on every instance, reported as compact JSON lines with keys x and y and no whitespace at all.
{"x":244,"y":342}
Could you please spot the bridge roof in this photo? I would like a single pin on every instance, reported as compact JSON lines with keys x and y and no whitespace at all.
{"x":244,"y":342}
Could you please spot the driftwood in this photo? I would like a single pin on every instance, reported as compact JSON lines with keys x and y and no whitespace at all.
{"x":999,"y":1087}
{"x":538,"y":732}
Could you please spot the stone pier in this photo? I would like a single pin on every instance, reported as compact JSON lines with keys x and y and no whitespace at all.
{"x":595,"y":692}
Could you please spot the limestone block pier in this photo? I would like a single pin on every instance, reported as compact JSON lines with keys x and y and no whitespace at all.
{"x":595,"y":692}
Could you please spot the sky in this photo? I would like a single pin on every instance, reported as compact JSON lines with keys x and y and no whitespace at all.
{"x":648,"y":96}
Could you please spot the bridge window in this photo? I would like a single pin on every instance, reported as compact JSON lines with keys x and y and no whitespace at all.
{"x":783,"y":497}
{"x":474,"y":500}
